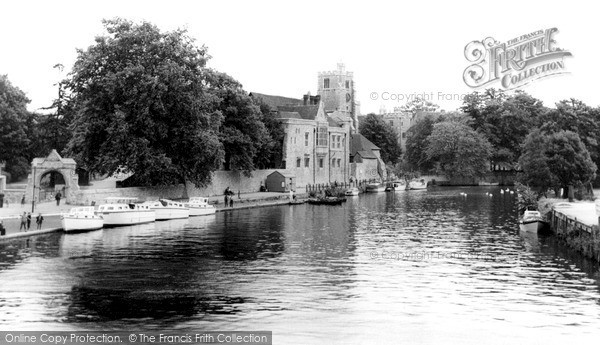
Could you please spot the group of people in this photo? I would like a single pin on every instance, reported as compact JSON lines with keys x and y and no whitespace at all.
{"x":26,"y":221}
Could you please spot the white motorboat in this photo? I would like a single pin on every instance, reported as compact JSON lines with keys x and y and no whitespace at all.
{"x":168,"y":209}
{"x":397,"y":186}
{"x":375,"y":188}
{"x":118,"y":211}
{"x":352,"y":191}
{"x":81,"y":219}
{"x":417,"y":185}
{"x":199,"y":206}
{"x":532,"y":221}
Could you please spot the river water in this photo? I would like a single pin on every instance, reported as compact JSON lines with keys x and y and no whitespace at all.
{"x":425,"y":267}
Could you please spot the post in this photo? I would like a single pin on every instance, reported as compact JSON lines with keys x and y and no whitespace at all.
{"x":33,"y":192}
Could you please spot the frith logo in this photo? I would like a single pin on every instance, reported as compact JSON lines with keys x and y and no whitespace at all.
{"x":515,"y":63}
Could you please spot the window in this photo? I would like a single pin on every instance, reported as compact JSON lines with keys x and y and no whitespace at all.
{"x":306,"y":139}
{"x":320,"y":162}
{"x":322,"y":136}
{"x":332,"y":162}
{"x":298,"y":162}
{"x":339,"y":142}
{"x":347,"y":84}
{"x":339,"y":162}
{"x":326,"y":83}
{"x":306,"y":162}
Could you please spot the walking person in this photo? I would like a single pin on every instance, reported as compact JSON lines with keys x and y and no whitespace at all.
{"x":23,"y":201}
{"x":231,"y":201}
{"x":57,"y":197}
{"x":39,"y":220}
{"x":226,"y":200}
{"x":23,"y":225}
{"x":28,"y":220}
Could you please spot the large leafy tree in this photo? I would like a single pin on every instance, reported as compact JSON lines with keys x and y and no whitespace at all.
{"x":14,"y":119}
{"x":534,"y":163}
{"x":270,"y":154}
{"x":416,"y":144}
{"x":383,"y":135}
{"x":569,"y":160}
{"x":505,"y":120}
{"x":459,"y":151}
{"x":142,"y":105}
{"x":242,"y":132}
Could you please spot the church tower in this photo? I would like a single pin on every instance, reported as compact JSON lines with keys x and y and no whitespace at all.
{"x":338,"y":93}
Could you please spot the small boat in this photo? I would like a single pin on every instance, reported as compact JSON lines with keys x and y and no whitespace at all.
{"x":352,"y":192}
{"x":81,"y":219}
{"x":119,"y":211}
{"x":297,"y":202}
{"x":397,"y":186}
{"x":375,"y":188}
{"x":417,"y":185}
{"x":532,"y":221}
{"x":484,"y":183}
{"x":168,"y":209}
{"x":326,"y":201}
{"x":199,"y":206}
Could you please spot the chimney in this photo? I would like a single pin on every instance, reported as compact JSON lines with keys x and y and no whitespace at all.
{"x":317,"y":99}
{"x":306,"y":98}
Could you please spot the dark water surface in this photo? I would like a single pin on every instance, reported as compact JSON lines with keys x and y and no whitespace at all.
{"x":413,"y":267}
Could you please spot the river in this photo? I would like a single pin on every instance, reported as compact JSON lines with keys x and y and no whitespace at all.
{"x":418,"y":267}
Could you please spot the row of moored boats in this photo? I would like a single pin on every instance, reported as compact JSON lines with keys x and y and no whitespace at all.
{"x":121,"y":211}
{"x":392,"y":186}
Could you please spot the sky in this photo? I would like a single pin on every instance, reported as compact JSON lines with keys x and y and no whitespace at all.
{"x":278,"y":47}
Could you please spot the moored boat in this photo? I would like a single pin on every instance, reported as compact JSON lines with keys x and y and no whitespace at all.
{"x":352,"y":192}
{"x":326,"y":201}
{"x":199,"y":206}
{"x":397,"y":186}
{"x":118,"y":211}
{"x":81,"y":219}
{"x":375,"y":188}
{"x":168,"y":209}
{"x":532,"y":221}
{"x":417,"y":185}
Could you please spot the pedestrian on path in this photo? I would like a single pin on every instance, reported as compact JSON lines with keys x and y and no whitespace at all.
{"x":57,"y":197}
{"x":231,"y":201}
{"x":2,"y":229}
{"x":39,"y":220}
{"x":226,"y":200}
{"x":23,"y":201}
{"x":23,"y":225}
{"x":28,"y":220}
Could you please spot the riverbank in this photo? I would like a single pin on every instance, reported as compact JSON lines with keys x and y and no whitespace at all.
{"x":51,"y":212}
{"x":576,"y":224}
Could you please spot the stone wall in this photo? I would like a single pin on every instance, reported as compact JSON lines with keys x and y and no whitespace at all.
{"x":235,"y":180}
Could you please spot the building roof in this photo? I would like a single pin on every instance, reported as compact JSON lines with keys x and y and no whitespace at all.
{"x":366,"y":154}
{"x":332,"y":122}
{"x":359,"y":143}
{"x":276,"y":101}
{"x":286,"y":174}
{"x":306,"y":112}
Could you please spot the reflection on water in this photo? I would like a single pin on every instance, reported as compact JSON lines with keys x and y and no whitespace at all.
{"x":420,"y":267}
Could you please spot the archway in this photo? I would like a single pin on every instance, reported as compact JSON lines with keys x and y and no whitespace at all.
{"x":51,"y":182}
{"x":50,"y":175}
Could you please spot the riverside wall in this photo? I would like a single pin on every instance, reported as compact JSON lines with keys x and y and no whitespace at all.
{"x":578,"y":235}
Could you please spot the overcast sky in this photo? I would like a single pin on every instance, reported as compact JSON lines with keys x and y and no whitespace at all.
{"x":279,"y":47}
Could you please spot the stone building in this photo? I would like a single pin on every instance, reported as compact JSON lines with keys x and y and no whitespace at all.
{"x":365,"y":159}
{"x":338,"y":92}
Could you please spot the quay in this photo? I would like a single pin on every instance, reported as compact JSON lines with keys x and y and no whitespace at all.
{"x":51,"y":212}
{"x":576,"y":225}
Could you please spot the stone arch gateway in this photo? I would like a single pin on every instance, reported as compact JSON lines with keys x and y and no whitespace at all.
{"x":53,"y":163}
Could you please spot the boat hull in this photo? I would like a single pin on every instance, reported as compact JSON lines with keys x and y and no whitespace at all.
{"x":127,"y":217}
{"x":352,"y":192}
{"x":532,"y":226}
{"x":77,"y":224}
{"x":201,"y":211}
{"x":166,"y":213}
{"x":375,"y":189}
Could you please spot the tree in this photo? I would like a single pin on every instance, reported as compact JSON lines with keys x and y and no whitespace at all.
{"x":418,"y":104}
{"x":242,"y":132}
{"x":536,"y":172}
{"x":270,"y":154}
{"x":569,"y":160}
{"x":416,"y":144}
{"x":13,"y":129}
{"x":383,"y":135}
{"x":459,"y":151}
{"x":142,"y":106}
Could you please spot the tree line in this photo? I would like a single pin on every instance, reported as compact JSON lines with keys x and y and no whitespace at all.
{"x":143,"y":101}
